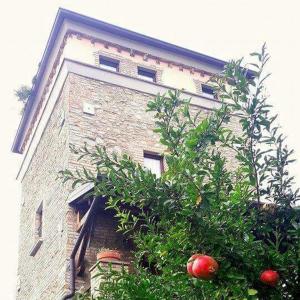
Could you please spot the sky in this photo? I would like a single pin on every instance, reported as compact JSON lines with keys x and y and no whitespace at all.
{"x":224,"y":29}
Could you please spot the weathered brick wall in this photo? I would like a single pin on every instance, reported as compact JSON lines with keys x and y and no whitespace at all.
{"x":42,"y":275}
{"x":120,"y":121}
{"x":122,"y":125}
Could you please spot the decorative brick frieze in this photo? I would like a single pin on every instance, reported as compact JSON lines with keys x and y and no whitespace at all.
{"x":156,"y":61}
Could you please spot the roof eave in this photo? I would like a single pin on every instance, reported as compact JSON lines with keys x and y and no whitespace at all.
{"x":18,"y":140}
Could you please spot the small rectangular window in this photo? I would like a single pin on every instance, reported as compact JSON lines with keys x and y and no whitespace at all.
{"x":208,"y":91}
{"x":38,"y":231}
{"x":154,"y":163}
{"x":39,"y":221}
{"x":146,"y":74}
{"x":109,"y":63}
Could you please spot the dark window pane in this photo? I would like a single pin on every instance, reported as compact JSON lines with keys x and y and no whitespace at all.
{"x":208,"y":91}
{"x":109,"y":64}
{"x":147,"y":74}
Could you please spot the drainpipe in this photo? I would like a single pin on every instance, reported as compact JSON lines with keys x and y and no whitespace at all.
{"x":75,"y":249}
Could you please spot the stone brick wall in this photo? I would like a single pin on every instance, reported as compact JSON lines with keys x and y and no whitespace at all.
{"x":120,"y":121}
{"x":121,"y":124}
{"x":42,"y":275}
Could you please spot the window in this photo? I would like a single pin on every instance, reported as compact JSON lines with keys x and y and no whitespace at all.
{"x":39,"y":221}
{"x":38,"y":231}
{"x":208,"y":91}
{"x":146,"y":74}
{"x":109,"y":63}
{"x":154,"y":163}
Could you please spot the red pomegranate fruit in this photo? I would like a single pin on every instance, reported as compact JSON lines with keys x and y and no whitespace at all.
{"x":202,"y":266}
{"x":269,"y":277}
{"x":190,"y":262}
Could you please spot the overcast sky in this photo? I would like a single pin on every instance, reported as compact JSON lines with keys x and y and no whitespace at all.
{"x":224,"y":29}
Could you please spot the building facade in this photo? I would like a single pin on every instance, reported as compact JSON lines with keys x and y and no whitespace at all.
{"x":92,"y":86}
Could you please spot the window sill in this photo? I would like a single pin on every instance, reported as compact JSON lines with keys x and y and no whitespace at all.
{"x":36,"y":247}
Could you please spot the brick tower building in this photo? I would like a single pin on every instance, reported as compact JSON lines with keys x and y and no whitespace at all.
{"x":92,"y":86}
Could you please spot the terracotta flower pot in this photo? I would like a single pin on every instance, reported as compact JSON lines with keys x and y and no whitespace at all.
{"x":109,"y":254}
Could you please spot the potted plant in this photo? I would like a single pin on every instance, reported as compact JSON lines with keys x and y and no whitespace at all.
{"x":106,"y":253}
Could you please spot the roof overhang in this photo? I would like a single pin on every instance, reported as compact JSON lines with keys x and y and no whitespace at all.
{"x":80,"y":193}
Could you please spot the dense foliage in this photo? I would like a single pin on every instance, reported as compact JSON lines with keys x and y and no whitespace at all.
{"x":211,"y":198}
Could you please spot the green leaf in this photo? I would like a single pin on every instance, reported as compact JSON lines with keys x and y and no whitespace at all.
{"x":252,"y":292}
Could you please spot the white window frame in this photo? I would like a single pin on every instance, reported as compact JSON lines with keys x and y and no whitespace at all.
{"x":154,"y":163}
